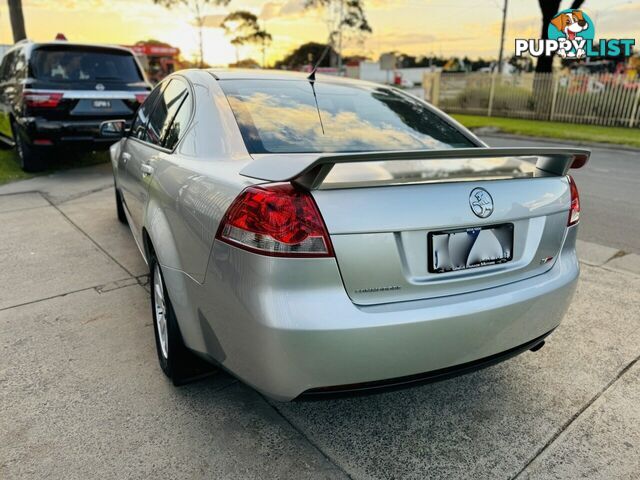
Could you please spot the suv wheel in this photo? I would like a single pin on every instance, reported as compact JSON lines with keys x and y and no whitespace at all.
{"x":30,"y":158}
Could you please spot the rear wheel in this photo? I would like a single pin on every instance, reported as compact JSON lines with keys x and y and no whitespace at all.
{"x":120,"y":208}
{"x":176,"y":360}
{"x":31,"y":159}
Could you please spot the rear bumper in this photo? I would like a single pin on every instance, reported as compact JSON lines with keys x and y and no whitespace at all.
{"x":420,"y":378}
{"x":82,"y":134}
{"x":288,"y":327}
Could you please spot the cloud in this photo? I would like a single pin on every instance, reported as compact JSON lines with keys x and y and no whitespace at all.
{"x":65,"y":4}
{"x":282,"y":9}
{"x":212,"y":21}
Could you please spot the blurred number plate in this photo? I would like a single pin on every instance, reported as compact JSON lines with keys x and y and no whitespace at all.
{"x":467,"y":248}
{"x":101,"y":104}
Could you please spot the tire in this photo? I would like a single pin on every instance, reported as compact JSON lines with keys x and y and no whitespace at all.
{"x":31,"y":159}
{"x":177,"y":362}
{"x":122,"y":218}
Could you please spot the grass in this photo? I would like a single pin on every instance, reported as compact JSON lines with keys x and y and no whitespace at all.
{"x":10,"y":170}
{"x":559,"y":130}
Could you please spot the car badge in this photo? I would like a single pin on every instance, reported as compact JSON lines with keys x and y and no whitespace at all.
{"x":99,"y":86}
{"x":481,"y":202}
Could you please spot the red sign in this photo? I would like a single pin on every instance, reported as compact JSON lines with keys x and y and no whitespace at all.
{"x":155,"y":50}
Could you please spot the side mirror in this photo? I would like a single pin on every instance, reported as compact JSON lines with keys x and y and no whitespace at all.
{"x":113,"y":129}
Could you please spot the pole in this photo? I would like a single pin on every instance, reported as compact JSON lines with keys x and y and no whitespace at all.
{"x":340,"y":36}
{"x":17,"y":20}
{"x":504,"y":24}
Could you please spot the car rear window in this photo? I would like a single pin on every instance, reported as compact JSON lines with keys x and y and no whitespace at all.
{"x":292,"y":116}
{"x":65,"y":64}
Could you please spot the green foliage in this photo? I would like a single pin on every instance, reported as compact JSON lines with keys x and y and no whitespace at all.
{"x":306,"y":54}
{"x":245,"y":28}
{"x":353,"y":17}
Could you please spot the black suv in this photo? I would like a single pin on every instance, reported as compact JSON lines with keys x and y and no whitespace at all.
{"x":55,"y":95}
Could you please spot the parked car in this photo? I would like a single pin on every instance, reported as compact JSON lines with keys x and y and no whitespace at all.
{"x":55,"y":95}
{"x":322,"y":236}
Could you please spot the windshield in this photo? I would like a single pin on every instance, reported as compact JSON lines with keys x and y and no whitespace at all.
{"x":282,"y":117}
{"x":60,"y":64}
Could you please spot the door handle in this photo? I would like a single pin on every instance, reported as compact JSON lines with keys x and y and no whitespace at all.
{"x":146,"y":169}
{"x":126,"y":157}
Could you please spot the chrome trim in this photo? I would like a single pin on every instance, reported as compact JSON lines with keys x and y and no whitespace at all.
{"x":102,"y":95}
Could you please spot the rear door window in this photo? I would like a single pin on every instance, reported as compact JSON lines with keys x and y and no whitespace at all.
{"x":138,"y":129}
{"x":71,"y":64}
{"x":178,"y":125}
{"x":165,"y":110}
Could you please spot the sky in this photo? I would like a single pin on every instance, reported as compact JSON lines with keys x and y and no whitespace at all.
{"x":415,"y":27}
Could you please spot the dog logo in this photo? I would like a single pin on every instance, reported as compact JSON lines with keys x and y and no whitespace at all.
{"x":481,"y":202}
{"x":572,"y":28}
{"x":571,"y":35}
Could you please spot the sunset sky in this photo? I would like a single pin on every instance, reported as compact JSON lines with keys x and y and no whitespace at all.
{"x":412,"y":26}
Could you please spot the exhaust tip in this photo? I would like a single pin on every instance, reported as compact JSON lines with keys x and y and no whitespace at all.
{"x":537,"y":347}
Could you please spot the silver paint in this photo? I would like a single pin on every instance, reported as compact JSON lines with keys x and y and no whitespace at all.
{"x":285,"y":325}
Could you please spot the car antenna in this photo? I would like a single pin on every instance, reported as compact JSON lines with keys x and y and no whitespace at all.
{"x":312,"y":81}
{"x":312,"y":75}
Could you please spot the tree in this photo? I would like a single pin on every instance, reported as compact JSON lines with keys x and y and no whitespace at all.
{"x":17,"y":20}
{"x":542,"y":84}
{"x":246,"y":63}
{"x":351,"y":16}
{"x":306,"y":54}
{"x":245,"y":29}
{"x":549,"y":9}
{"x":198,"y":9}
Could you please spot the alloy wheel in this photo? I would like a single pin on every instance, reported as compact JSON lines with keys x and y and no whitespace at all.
{"x":160,"y":311}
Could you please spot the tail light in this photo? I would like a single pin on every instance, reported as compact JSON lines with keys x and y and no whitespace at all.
{"x":574,"y":211}
{"x":277,"y":220}
{"x":41,"y":99}
{"x":141,"y":97}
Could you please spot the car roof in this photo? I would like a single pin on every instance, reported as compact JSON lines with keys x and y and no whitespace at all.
{"x":265,"y":74}
{"x":30,"y":45}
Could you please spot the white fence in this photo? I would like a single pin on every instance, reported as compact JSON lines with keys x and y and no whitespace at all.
{"x":598,"y":99}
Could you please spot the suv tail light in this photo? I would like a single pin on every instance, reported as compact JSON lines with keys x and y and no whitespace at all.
{"x":41,"y":99}
{"x":141,"y":97}
{"x":574,"y":211}
{"x":277,"y":220}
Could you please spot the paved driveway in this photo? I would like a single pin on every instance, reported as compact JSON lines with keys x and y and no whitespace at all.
{"x":82,"y":396}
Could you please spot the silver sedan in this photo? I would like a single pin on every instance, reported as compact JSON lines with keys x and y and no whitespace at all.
{"x":321,"y":236}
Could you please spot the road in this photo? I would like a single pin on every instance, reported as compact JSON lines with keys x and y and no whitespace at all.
{"x":609,"y":194}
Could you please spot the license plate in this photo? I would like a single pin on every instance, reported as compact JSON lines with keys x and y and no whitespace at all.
{"x":101,"y":104}
{"x":467,"y":248}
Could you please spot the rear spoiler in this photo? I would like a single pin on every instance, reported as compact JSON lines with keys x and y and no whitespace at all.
{"x":309,"y":170}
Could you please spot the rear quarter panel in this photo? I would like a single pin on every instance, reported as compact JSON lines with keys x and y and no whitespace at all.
{"x":193,"y":185}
